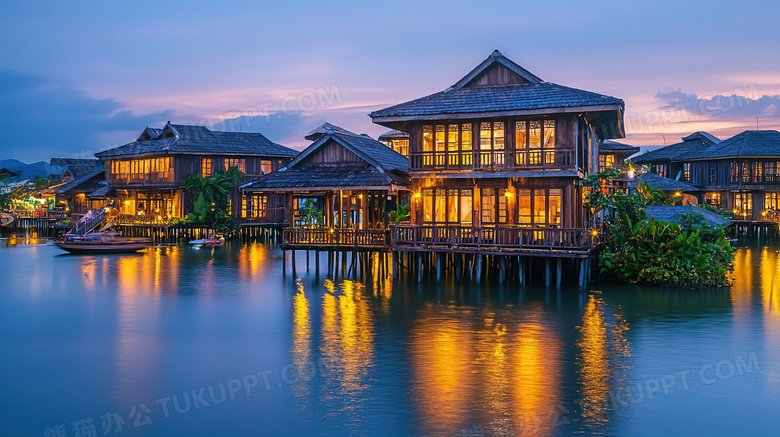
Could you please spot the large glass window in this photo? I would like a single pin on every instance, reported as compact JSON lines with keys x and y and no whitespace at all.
{"x":734,"y":172}
{"x":745,"y":172}
{"x":447,"y":206}
{"x":400,"y":146}
{"x":494,"y":210}
{"x":535,"y":142}
{"x":772,"y":202}
{"x":686,"y":173}
{"x":607,"y":161}
{"x":447,"y":145}
{"x":712,"y":175}
{"x":743,"y":204}
{"x":266,"y":167}
{"x":539,"y":206}
{"x":661,"y":170}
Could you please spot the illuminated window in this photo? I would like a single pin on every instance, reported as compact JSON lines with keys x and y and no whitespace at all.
{"x":535,"y":142}
{"x":266,"y":167}
{"x":686,"y":173}
{"x":206,"y":169}
{"x":427,"y":138}
{"x":400,"y":146}
{"x":447,"y":206}
{"x":757,"y":172}
{"x":734,"y":172}
{"x":743,"y":204}
{"x":240,"y":163}
{"x":712,"y":199}
{"x":661,"y":170}
{"x":606,"y":161}
{"x":440,"y":134}
{"x":539,"y":207}
{"x":494,"y":206}
{"x":772,"y":202}
{"x":254,"y":206}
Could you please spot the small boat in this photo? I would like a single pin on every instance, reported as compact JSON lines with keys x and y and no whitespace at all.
{"x":6,"y":219}
{"x":208,"y":242}
{"x":101,"y":242}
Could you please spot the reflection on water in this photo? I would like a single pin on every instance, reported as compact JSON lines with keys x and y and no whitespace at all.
{"x":603,"y":352}
{"x":373,"y":356}
{"x":496,"y":369}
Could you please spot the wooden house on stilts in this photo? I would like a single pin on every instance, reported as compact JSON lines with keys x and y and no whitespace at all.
{"x":497,"y":163}
{"x":336,"y":193}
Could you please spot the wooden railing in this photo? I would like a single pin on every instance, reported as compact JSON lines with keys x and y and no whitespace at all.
{"x":141,"y":178}
{"x":130,"y":219}
{"x":335,"y":237}
{"x":490,"y":238}
{"x":493,"y":160}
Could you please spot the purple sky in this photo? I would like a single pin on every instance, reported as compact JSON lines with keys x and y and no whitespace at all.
{"x":76,"y":78}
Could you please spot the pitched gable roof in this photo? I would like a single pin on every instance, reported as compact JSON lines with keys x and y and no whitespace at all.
{"x":150,"y":133}
{"x":383,"y":167}
{"x":393,"y":135}
{"x":185,"y":139}
{"x":77,"y":167}
{"x":690,"y":145}
{"x":495,"y":59}
{"x":531,"y":96}
{"x":674,"y":214}
{"x":615,"y":147}
{"x":665,"y":184}
{"x":325,"y":129}
{"x":84,"y":183}
{"x":753,"y":143}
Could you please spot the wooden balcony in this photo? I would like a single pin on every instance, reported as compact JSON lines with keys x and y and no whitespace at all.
{"x":324,"y":238}
{"x":141,"y":179}
{"x":493,"y":160}
{"x":491,"y":240}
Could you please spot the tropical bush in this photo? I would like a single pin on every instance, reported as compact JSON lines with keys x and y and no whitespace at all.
{"x":689,"y":252}
{"x":211,"y":196}
{"x":400,"y":215}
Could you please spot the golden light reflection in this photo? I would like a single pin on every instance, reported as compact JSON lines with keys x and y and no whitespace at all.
{"x":347,"y":340}
{"x":301,"y":336}
{"x":502,"y":373}
{"x":603,"y":351}
{"x":770,"y":302}
{"x":250,"y":259}
{"x":742,"y":282}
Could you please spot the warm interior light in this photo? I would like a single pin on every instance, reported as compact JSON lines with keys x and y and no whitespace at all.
{"x":677,"y":194}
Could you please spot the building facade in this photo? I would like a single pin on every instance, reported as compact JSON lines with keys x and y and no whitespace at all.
{"x":502,"y":148}
{"x":145,"y":177}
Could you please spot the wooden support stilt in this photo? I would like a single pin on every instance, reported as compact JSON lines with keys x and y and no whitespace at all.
{"x":293,"y":262}
{"x":419,"y":267}
{"x":317,"y":262}
{"x":284,"y":263}
{"x":558,"y":273}
{"x":547,"y":273}
{"x":479,"y":268}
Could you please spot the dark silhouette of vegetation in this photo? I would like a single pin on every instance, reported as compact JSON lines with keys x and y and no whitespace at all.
{"x":211,"y":196}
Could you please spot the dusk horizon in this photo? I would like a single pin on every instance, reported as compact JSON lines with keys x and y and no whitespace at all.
{"x":91,"y":89}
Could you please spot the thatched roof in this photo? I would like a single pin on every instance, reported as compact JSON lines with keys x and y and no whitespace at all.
{"x":690,"y":145}
{"x":673,"y":214}
{"x":527,"y":95}
{"x":381,"y":167}
{"x":199,"y":140}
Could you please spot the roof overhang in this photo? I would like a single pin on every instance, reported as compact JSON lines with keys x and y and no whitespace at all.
{"x":606,"y":128}
{"x":392,"y":187}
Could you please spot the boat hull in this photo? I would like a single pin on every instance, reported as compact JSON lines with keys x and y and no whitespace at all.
{"x":92,"y":248}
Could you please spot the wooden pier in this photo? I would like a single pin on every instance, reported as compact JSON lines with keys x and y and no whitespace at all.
{"x":467,"y":253}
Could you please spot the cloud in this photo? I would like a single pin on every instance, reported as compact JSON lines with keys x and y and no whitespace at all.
{"x":41,"y":118}
{"x":740,"y":103}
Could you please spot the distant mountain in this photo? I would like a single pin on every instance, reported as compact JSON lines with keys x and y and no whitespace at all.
{"x":29,"y":171}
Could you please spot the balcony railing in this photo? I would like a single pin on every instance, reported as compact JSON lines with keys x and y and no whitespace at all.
{"x":488,"y":238}
{"x":143,"y":219}
{"x":141,"y":178}
{"x":322,"y":237}
{"x":493,"y":160}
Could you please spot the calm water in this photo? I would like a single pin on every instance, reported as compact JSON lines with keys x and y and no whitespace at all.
{"x":217,"y":342}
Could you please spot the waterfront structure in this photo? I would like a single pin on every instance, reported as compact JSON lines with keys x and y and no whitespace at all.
{"x":396,"y":140}
{"x":146,"y":176}
{"x":499,"y":159}
{"x":339,"y":187}
{"x":740,"y":174}
{"x":80,"y":177}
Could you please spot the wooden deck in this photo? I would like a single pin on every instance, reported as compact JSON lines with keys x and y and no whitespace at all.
{"x":548,"y":242}
{"x":326,"y":239}
{"x":565,"y":243}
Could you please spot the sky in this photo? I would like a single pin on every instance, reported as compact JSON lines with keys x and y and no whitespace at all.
{"x":80,"y":77}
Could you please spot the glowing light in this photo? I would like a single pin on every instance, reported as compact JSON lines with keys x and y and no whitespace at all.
{"x":416,"y":196}
{"x":677,"y":194}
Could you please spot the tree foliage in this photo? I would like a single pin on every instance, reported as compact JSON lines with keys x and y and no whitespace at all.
{"x":211,"y":195}
{"x":687,"y":253}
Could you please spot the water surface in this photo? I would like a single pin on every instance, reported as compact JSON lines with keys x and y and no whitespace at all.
{"x":179,"y":341}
